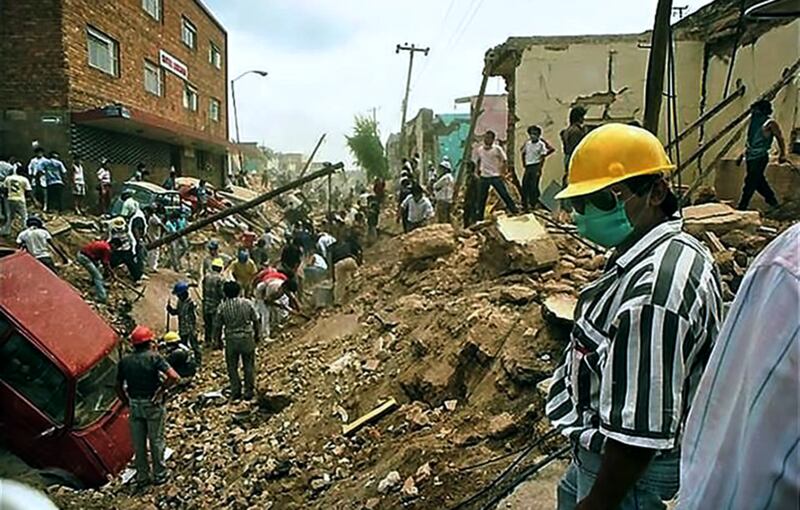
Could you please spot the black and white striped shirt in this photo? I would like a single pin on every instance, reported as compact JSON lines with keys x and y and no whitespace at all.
{"x":238,"y":317}
{"x":642,"y":336}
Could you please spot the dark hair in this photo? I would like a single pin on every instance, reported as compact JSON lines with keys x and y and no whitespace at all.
{"x":635,"y":123}
{"x":416,"y":189}
{"x":290,"y":285}
{"x":490,"y":132}
{"x":642,"y":184}
{"x":231,"y":289}
{"x":576,"y":114}
{"x":140,"y":166}
{"x":38,"y":150}
{"x":144,"y":346}
{"x":291,"y":256}
{"x":115,"y":242}
{"x":261,"y":242}
{"x":762,"y":106}
{"x":534,"y":129}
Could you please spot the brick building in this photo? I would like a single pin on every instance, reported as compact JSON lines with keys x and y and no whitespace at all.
{"x":130,"y":80}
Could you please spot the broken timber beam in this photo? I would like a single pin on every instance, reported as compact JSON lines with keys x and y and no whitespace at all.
{"x":326,"y":170}
{"x":786,"y":78}
{"x":313,"y":153}
{"x":476,"y":113}
{"x":370,"y":417}
{"x":739,"y":92}
{"x":654,"y":87}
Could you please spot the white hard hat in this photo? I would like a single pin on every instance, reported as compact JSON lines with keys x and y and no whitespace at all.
{"x":446,"y":164}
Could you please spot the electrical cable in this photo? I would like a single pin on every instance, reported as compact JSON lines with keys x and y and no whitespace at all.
{"x":550,"y":434}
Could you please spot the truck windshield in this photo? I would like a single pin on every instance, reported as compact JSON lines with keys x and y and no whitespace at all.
{"x":95,"y":393}
{"x":29,"y":372}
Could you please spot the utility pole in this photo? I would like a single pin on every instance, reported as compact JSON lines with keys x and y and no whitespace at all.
{"x":654,"y":89}
{"x":411,"y":50}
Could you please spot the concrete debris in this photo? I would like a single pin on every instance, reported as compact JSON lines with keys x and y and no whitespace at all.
{"x":409,"y":489}
{"x":417,"y":415}
{"x":516,"y":294}
{"x":390,"y":483}
{"x":518,"y":243}
{"x":423,"y":472}
{"x":343,"y":362}
{"x":502,"y":426}
{"x":428,"y":242}
{"x":450,"y":405}
{"x":560,"y":308}
{"x":719,"y":219}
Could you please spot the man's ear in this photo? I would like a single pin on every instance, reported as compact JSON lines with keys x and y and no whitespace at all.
{"x":658,"y":193}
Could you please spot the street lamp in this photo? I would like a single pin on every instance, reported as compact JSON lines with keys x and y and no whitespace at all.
{"x":235,"y":112}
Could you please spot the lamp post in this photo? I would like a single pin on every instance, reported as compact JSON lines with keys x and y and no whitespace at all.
{"x":235,"y":112}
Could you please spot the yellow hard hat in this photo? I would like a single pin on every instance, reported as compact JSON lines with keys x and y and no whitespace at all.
{"x":171,"y":337}
{"x":218,"y":262}
{"x":611,"y":154}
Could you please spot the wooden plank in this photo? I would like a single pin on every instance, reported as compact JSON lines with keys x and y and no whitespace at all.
{"x":372,"y":416}
{"x":713,"y":240}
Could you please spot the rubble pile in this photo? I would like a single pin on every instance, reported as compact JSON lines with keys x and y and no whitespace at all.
{"x":389,"y":399}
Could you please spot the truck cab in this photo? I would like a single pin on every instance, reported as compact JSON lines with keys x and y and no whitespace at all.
{"x":59,"y":410}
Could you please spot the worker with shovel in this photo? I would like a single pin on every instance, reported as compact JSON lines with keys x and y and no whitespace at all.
{"x":186,"y":311}
{"x":642,"y":331}
{"x":143,"y":377}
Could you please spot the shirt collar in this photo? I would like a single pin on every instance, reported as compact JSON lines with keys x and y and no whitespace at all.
{"x":655,"y":237}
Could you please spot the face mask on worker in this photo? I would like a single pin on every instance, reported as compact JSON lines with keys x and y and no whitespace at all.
{"x":603,"y":223}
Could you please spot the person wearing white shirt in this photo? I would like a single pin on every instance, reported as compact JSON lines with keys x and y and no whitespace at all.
{"x":741,"y":441}
{"x":491,"y":165}
{"x":36,"y":175}
{"x":417,"y":208}
{"x":534,"y":151}
{"x":443,"y":192}
{"x":15,"y":187}
{"x":78,"y":184}
{"x":104,"y":186}
{"x":324,"y":241}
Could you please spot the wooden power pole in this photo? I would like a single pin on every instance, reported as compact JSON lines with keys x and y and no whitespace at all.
{"x":654,"y":88}
{"x":411,"y":50}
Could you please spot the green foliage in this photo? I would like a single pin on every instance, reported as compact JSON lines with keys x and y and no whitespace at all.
{"x":365,"y":145}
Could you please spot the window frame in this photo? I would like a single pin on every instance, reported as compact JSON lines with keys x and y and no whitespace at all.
{"x":186,"y":23}
{"x":213,"y":101}
{"x":159,"y":73}
{"x":187,"y":104}
{"x":159,"y":9}
{"x":214,"y":50}
{"x":93,"y":33}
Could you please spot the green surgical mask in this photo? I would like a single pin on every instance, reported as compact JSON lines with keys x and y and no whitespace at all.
{"x":606,"y":228}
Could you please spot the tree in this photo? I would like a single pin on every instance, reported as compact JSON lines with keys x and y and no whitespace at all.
{"x":365,"y":145}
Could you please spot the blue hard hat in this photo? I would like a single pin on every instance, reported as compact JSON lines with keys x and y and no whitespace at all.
{"x":213,"y":244}
{"x":180,"y":288}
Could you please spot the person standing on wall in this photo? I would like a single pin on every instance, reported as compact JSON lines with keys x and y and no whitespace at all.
{"x":534,"y":151}
{"x":491,"y":167}
{"x":760,"y":134}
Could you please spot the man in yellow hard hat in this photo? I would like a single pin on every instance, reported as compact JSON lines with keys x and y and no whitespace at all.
{"x":178,"y":354}
{"x":643,"y":331}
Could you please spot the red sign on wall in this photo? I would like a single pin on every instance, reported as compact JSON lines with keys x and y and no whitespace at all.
{"x":174,"y":65}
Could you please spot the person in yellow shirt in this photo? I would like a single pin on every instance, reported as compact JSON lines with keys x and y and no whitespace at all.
{"x":243,"y":270}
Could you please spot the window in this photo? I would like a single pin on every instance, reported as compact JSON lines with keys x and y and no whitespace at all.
{"x":96,"y":393}
{"x":188,"y":33}
{"x":103,"y":51}
{"x":214,"y":56}
{"x":153,"y":78}
{"x":214,"y":108}
{"x":190,"y":98}
{"x":34,"y":376}
{"x":153,"y":8}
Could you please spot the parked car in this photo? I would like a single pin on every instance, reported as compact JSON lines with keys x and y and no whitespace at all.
{"x":147,"y":193}
{"x":59,"y":410}
{"x":186,"y":187}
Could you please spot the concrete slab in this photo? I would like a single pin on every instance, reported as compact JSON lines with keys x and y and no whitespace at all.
{"x":560,"y":308}
{"x":518,"y":243}
{"x":719,"y":219}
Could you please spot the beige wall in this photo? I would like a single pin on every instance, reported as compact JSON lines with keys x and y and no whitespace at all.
{"x":554,"y":73}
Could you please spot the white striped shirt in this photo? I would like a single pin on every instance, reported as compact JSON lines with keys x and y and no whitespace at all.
{"x":642,"y":335}
{"x":740,"y":449}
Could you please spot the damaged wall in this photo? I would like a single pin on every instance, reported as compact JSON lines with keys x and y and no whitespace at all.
{"x":606,"y":74}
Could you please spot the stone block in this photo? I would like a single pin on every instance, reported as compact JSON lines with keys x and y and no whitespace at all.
{"x":719,"y":219}
{"x":518,"y":243}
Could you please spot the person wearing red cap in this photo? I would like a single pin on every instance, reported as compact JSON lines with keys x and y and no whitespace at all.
{"x":139,"y":383}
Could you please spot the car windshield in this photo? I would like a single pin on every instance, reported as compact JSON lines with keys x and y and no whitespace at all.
{"x":95,"y":393}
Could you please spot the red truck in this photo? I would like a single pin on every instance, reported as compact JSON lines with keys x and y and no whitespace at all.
{"x":59,"y":411}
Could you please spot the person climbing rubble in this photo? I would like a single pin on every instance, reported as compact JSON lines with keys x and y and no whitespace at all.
{"x":642,"y":332}
{"x":243,"y":269}
{"x":213,"y":254}
{"x":118,"y":229}
{"x":534,"y":152}
{"x":97,"y":255}
{"x":179,"y":355}
{"x":491,"y":167}
{"x":177,"y":248}
{"x":37,"y":241}
{"x":416,"y":209}
{"x":761,"y":132}
{"x":275,"y":297}
{"x":186,"y":311}
{"x":443,"y":190}
{"x":239,"y":324}
{"x":212,"y":297}
{"x":143,"y":378}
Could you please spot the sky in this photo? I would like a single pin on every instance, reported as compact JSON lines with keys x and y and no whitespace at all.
{"x":329,"y":60}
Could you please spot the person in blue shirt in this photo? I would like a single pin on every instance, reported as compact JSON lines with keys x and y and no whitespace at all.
{"x":54,"y":174}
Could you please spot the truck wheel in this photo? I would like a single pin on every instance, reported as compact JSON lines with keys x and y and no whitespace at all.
{"x":56,"y":476}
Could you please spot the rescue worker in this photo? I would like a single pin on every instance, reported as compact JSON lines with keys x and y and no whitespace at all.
{"x":95,"y":255}
{"x":186,"y":311}
{"x":243,"y":269}
{"x":212,"y":297}
{"x":213,"y":253}
{"x":37,"y":241}
{"x":139,"y":384}
{"x":179,"y":355}
{"x":643,"y":331}
{"x":238,"y":320}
